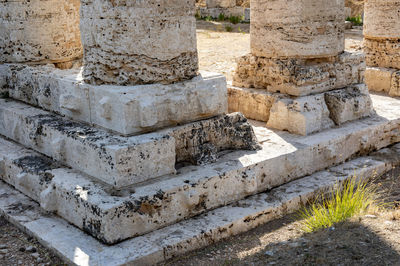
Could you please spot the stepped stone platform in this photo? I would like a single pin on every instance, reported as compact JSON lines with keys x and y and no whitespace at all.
{"x":127,"y":110}
{"x":77,"y":248}
{"x":153,"y":210}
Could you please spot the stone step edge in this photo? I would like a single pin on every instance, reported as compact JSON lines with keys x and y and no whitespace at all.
{"x":123,"y":161}
{"x":75,"y":247}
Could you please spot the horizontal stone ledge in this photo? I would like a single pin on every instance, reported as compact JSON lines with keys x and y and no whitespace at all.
{"x":123,"y":161}
{"x":127,"y":110}
{"x":122,"y":213}
{"x":382,"y":52}
{"x":76,"y":247}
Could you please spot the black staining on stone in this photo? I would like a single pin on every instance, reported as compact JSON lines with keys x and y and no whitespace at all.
{"x":201,"y":143}
{"x":38,"y":165}
{"x":93,"y":227}
{"x":19,"y":207}
{"x":159,"y":195}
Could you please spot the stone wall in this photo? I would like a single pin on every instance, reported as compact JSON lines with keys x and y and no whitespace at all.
{"x":39,"y":31}
{"x":138,"y":42}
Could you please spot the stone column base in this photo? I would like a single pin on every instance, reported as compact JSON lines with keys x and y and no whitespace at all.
{"x":302,"y":115}
{"x":383,"y":80}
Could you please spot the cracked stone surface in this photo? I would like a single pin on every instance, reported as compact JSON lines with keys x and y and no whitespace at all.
{"x":40,"y":31}
{"x":297,"y":29}
{"x":299,"y":77}
{"x":138,"y":42}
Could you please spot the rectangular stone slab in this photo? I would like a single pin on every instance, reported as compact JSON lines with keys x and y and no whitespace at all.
{"x":113,"y":215}
{"x":118,"y":161}
{"x":127,"y":110}
{"x":383,"y":80}
{"x":76,"y":247}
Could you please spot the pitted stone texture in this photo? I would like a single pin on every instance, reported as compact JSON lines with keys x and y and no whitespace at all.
{"x":255,"y":104}
{"x":382,"y":53}
{"x":40,"y":31}
{"x":77,"y":248}
{"x":395,"y":84}
{"x":124,"y":109}
{"x":199,"y":143}
{"x":379,"y":78}
{"x":117,"y":214}
{"x":299,"y":77}
{"x":349,"y":104}
{"x":302,"y":116}
{"x":297,"y":29}
{"x":138,"y":42}
{"x":382,"y":19}
{"x":221,"y":3}
{"x":118,"y":161}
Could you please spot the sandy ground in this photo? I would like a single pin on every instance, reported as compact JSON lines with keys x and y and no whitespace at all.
{"x":367,"y":240}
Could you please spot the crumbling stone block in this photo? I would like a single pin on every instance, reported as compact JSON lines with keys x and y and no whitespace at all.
{"x":349,"y":104}
{"x":138,"y":42}
{"x":297,"y":29}
{"x":395,"y":84}
{"x":41,"y":31}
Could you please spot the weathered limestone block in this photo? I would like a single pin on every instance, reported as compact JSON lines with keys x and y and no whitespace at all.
{"x":221,"y":3}
{"x":138,"y":42}
{"x":39,"y":31}
{"x":349,"y":104}
{"x":216,"y":11}
{"x":310,"y":114}
{"x":395,"y":84}
{"x":379,"y":78}
{"x":200,"y":142}
{"x":297,"y":29}
{"x":124,"y":109}
{"x":302,"y":116}
{"x":299,"y":77}
{"x":382,"y":52}
{"x":255,"y":104}
{"x":118,"y":161}
{"x":381,"y":19}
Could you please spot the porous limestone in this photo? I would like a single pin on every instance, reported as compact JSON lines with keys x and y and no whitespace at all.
{"x":126,"y":110}
{"x":382,"y":53}
{"x":138,"y":42}
{"x":215,"y":12}
{"x":109,"y":213}
{"x":297,"y":29}
{"x":299,"y":77}
{"x":379,"y":79}
{"x":118,"y":161}
{"x":382,"y":45}
{"x":381,"y":19}
{"x":40,"y":31}
{"x":76,"y":247}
